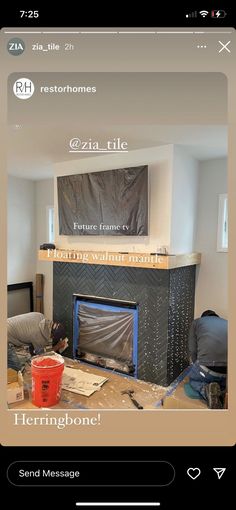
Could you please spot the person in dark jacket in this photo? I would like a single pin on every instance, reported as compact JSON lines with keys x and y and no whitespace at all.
{"x":208,"y":353}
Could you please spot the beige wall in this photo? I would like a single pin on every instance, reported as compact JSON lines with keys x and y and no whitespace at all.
{"x":44,"y":198}
{"x":211,"y":284}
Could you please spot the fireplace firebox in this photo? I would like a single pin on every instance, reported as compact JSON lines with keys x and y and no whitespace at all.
{"x":105,"y":332}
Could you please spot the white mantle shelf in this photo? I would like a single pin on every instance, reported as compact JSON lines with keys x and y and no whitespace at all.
{"x":124,"y":259}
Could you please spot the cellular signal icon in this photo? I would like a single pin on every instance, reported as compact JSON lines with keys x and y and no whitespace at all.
{"x":203,"y":13}
{"x":192,"y":15}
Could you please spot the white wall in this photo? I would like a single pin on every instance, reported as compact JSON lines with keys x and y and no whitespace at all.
{"x":211,"y":284}
{"x":44,"y":197}
{"x":184,"y":201}
{"x":21,"y":230}
{"x":159,"y":160}
{"x":27,"y":229}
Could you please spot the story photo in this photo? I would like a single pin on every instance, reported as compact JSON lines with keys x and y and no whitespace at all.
{"x":117,"y":244}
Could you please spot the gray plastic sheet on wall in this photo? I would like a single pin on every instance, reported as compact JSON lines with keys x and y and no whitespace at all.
{"x":111,"y":202}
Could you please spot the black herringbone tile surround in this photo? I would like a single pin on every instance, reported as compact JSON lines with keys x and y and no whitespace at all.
{"x":166,"y":306}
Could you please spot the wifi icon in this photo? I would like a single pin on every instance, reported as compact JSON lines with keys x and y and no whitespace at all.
{"x":203,"y":13}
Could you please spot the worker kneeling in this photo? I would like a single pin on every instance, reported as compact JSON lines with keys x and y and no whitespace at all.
{"x":35,"y":331}
{"x":208,"y":353}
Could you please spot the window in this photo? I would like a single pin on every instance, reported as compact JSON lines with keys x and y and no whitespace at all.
{"x":222,"y":235}
{"x":50,"y":223}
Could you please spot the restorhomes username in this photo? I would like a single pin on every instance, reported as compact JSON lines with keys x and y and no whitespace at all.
{"x":68,"y":89}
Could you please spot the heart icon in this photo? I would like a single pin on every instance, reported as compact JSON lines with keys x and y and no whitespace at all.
{"x":194,"y":472}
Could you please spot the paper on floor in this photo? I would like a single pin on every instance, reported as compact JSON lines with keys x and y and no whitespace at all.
{"x":84,"y":383}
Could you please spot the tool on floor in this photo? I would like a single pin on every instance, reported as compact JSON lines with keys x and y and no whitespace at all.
{"x":130,"y":394}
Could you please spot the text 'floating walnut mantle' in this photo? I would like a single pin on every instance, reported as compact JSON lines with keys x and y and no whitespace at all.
{"x":144,"y":260}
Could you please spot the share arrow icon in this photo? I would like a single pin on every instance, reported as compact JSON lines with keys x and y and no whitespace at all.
{"x":219,"y":472}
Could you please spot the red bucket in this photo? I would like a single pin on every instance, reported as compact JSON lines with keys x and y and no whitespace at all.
{"x":46,"y":379}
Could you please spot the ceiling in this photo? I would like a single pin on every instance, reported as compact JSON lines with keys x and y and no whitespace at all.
{"x":34,"y":149}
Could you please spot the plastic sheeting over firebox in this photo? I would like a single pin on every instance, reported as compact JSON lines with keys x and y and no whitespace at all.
{"x":106,"y":333}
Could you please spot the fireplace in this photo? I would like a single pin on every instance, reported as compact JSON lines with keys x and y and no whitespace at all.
{"x":105,"y":332}
{"x":162,"y":298}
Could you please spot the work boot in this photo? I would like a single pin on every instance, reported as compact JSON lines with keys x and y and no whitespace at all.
{"x":213,"y":394}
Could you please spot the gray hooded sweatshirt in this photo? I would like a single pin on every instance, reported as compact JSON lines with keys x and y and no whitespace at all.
{"x":29,"y":328}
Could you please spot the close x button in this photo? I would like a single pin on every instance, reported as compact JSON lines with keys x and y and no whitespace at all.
{"x":91,"y":473}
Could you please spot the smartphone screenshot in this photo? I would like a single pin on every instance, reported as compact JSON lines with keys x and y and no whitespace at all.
{"x":117,"y":259}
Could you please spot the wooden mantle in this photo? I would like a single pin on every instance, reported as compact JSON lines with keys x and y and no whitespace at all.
{"x":124,"y":259}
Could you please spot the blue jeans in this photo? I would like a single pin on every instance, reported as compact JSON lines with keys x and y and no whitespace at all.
{"x":12,"y":359}
{"x":199,"y":379}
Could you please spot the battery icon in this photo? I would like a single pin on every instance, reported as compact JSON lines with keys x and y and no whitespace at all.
{"x":218,"y":14}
